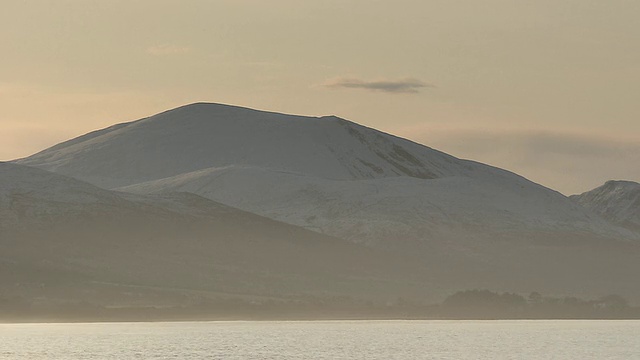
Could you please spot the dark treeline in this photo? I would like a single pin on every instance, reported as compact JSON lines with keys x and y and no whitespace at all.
{"x":469,"y":304}
{"x":488,"y":304}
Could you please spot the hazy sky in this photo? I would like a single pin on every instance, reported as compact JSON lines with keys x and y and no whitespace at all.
{"x":549,"y":89}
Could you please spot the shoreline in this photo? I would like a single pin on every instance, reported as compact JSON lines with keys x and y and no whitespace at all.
{"x":296,"y":319}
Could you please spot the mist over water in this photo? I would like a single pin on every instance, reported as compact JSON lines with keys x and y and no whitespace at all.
{"x":324,"y":340}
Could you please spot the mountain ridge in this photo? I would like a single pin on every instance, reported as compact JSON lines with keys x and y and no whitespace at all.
{"x":396,"y":162}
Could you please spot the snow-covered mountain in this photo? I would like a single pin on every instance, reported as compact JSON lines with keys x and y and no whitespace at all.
{"x":326,"y":174}
{"x":617,"y":201}
{"x":435,"y":224}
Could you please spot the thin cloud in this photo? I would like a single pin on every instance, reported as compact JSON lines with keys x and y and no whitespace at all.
{"x":399,"y":86}
{"x":167,"y":49}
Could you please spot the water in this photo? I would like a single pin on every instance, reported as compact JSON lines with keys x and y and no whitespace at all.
{"x":324,"y":340}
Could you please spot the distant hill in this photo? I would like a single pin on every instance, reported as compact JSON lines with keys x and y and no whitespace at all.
{"x":617,"y":201}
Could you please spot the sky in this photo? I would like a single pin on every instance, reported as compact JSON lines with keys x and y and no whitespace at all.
{"x":548,"y":89}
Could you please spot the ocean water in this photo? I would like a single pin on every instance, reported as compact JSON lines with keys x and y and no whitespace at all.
{"x":324,"y":340}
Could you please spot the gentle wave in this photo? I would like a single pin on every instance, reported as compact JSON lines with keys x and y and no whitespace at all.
{"x":564,"y":339}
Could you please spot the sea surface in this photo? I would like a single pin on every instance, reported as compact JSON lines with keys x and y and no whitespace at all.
{"x":324,"y":340}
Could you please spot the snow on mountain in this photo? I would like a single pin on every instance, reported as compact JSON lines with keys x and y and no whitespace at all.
{"x":617,"y":201}
{"x":374,"y":210}
{"x":325,"y":173}
{"x":201,"y":136}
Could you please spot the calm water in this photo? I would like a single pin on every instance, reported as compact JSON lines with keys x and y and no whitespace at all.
{"x":325,"y":340}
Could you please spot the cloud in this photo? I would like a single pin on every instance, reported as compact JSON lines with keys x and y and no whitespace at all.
{"x":167,"y":49}
{"x":399,"y":86}
{"x":568,"y":162}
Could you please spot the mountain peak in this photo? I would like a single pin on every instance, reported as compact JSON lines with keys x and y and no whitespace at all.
{"x":219,"y":111}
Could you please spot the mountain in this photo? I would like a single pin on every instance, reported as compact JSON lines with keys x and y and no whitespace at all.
{"x":435,"y":223}
{"x":326,"y":174}
{"x":616,"y":201}
{"x":63,"y":239}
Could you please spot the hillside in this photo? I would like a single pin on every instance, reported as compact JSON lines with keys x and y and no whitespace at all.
{"x":62,"y":239}
{"x":616,"y":201}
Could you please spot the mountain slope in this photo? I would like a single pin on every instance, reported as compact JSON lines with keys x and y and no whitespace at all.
{"x":388,"y":209}
{"x":617,"y":201}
